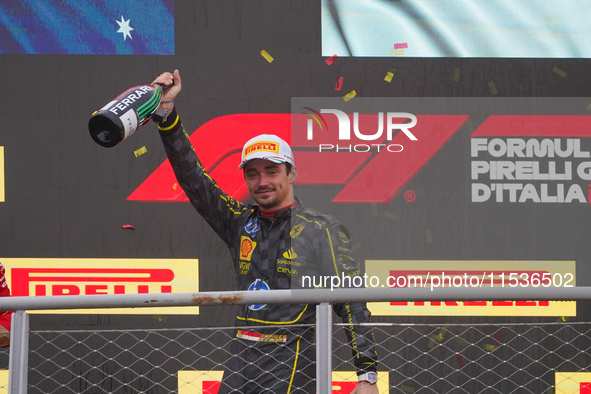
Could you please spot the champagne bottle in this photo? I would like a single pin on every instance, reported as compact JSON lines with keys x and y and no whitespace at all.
{"x":125,"y":114}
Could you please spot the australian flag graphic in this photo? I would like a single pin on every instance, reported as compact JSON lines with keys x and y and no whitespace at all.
{"x":87,"y":27}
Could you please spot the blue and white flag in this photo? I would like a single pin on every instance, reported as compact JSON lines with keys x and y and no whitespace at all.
{"x":87,"y":27}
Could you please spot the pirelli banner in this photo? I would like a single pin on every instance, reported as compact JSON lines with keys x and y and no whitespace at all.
{"x":475,"y":275}
{"x":85,"y":276}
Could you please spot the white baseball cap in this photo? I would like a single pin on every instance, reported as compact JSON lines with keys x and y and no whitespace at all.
{"x":267,"y":147}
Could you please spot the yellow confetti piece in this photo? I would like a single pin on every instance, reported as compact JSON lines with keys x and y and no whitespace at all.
{"x":140,"y":151}
{"x":489,"y":347}
{"x":589,"y":107}
{"x":558,"y":71}
{"x":493,"y":88}
{"x":407,"y":389}
{"x":266,"y":55}
{"x":457,"y":72}
{"x":441,"y":336}
{"x":391,"y":216}
{"x":350,"y":95}
{"x":397,"y":52}
{"x":428,"y":236}
{"x":388,"y":77}
{"x":374,"y":207}
{"x":431,"y":343}
{"x":462,"y":342}
{"x":355,"y":247}
{"x":175,"y":186}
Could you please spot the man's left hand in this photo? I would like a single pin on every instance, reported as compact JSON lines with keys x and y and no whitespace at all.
{"x":365,"y":388}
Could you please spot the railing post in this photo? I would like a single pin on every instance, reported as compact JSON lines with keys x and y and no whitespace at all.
{"x":18,"y":361}
{"x":323,"y":348}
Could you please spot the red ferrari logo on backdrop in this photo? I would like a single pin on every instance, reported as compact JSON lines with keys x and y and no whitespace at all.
{"x":367,"y":176}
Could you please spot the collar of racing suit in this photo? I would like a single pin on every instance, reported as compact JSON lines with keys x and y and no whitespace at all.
{"x":284,"y":212}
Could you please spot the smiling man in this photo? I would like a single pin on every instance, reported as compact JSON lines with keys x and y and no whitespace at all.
{"x":269,"y":172}
{"x":274,"y":241}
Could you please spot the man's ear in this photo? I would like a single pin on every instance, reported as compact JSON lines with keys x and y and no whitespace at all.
{"x":294,"y":174}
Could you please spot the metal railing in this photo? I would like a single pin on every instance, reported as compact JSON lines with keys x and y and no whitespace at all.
{"x":19,"y":351}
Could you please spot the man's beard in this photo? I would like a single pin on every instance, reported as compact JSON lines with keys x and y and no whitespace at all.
{"x":267,"y":202}
{"x":272,"y":203}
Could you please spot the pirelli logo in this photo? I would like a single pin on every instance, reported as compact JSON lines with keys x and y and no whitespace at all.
{"x":65,"y":277}
{"x":267,"y":146}
{"x":46,"y":281}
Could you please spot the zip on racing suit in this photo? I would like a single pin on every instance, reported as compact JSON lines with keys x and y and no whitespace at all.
{"x":272,"y":253}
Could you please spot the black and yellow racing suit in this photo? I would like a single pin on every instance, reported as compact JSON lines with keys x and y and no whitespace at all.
{"x":273,"y":253}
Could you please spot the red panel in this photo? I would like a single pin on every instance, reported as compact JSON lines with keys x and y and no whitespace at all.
{"x":211,"y":387}
{"x":328,"y":168}
{"x":345,"y":387}
{"x":383,"y":176}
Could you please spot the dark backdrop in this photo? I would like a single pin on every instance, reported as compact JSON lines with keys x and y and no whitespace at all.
{"x":66,"y":196}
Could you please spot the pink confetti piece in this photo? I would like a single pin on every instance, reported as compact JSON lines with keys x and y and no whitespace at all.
{"x":331,"y":59}
{"x":401,"y":45}
{"x":497,"y":338}
{"x":339,"y":83}
{"x":460,"y":360}
{"x":128,"y":226}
